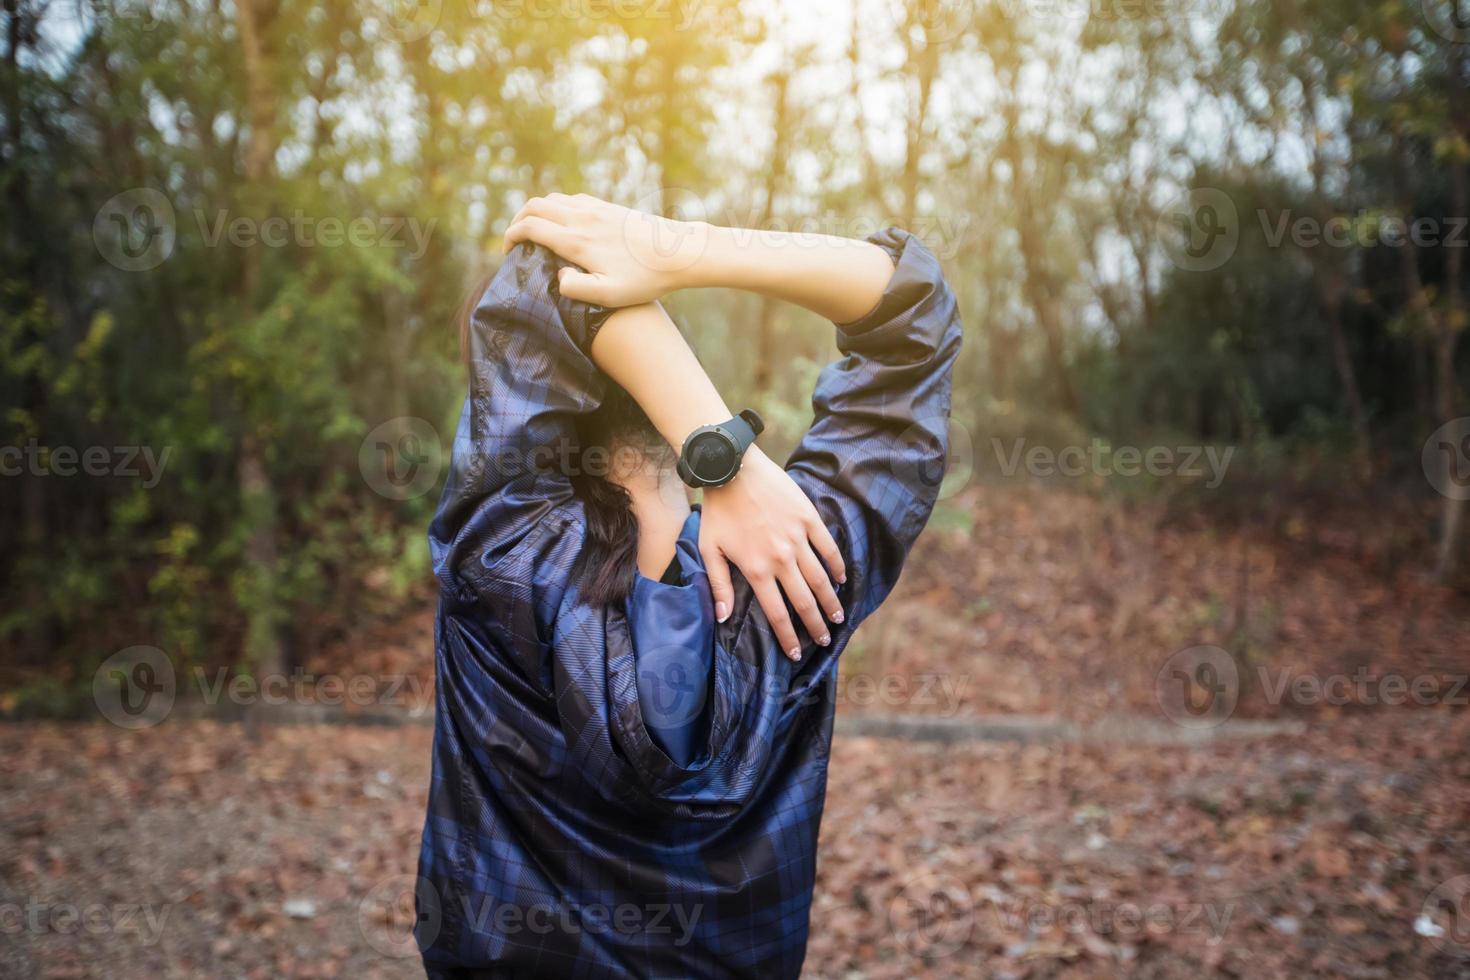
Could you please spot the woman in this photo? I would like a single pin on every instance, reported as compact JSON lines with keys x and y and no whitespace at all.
{"x":631,"y":744}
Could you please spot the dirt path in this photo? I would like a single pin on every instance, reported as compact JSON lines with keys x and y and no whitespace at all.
{"x":186,"y":851}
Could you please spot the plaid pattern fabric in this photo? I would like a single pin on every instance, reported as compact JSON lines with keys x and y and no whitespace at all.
{"x":561,"y":840}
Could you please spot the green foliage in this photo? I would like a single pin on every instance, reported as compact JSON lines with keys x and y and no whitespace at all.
{"x":1035,"y":160}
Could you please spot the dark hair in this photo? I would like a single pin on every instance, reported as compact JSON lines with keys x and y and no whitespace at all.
{"x":604,"y":570}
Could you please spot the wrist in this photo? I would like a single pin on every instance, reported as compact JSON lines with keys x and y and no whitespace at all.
{"x":715,"y":455}
{"x":754,"y":462}
{"x":719,"y":258}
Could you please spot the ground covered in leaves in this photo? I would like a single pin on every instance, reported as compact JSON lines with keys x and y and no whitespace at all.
{"x":1072,"y":604}
{"x":192,"y":849}
{"x":204,"y":848}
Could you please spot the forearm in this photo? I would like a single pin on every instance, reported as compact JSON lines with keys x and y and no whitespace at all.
{"x":841,"y":279}
{"x":642,"y":350}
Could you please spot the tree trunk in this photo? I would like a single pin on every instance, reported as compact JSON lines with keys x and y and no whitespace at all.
{"x":925,"y":65}
{"x":871,"y":184}
{"x":1331,"y":286}
{"x":1450,"y":319}
{"x":1452,"y":512}
{"x":1332,"y":291}
{"x":39,"y":637}
{"x":264,"y":646}
{"x":775,"y":174}
{"x":1036,"y":281}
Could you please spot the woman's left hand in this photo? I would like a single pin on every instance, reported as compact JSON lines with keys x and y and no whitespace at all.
{"x":630,"y":257}
{"x":764,"y":523}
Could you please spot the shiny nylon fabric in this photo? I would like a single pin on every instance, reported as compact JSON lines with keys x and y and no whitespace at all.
{"x":673,"y":626}
{"x":561,"y":837}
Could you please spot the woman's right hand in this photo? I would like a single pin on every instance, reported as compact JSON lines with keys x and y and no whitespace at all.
{"x":763,"y":523}
{"x":630,"y":257}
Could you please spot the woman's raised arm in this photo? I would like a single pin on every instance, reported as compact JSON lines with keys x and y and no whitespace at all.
{"x":761,"y":520}
{"x":875,"y":453}
{"x":631,"y":257}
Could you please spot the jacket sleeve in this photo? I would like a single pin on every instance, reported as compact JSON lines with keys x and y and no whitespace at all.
{"x":530,"y":377}
{"x":874,"y":457}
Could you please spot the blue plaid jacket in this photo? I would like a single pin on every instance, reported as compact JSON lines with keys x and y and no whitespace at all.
{"x":636,"y":791}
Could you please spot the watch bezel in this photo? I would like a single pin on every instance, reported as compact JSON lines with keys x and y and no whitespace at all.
{"x":712,"y":431}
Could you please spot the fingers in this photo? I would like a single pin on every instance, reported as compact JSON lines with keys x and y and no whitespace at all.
{"x":552,"y":207}
{"x":770,"y":599}
{"x":541,"y":231}
{"x":826,"y":547}
{"x":718,"y":571}
{"x":589,"y":287}
{"x":799,"y":594}
{"x":820,"y":584}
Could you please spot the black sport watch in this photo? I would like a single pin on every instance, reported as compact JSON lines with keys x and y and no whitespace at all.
{"x":713,"y":453}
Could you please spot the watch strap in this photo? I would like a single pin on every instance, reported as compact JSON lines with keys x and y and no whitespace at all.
{"x":741,"y":430}
{"x":753,"y":419}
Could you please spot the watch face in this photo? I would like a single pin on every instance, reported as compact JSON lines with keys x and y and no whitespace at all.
{"x":712,"y":457}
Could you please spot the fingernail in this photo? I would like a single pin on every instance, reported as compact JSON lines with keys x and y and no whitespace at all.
{"x":825,"y":639}
{"x":794,"y":653}
{"x":837,"y":617}
{"x":721,"y":612}
{"x":842,"y":579}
